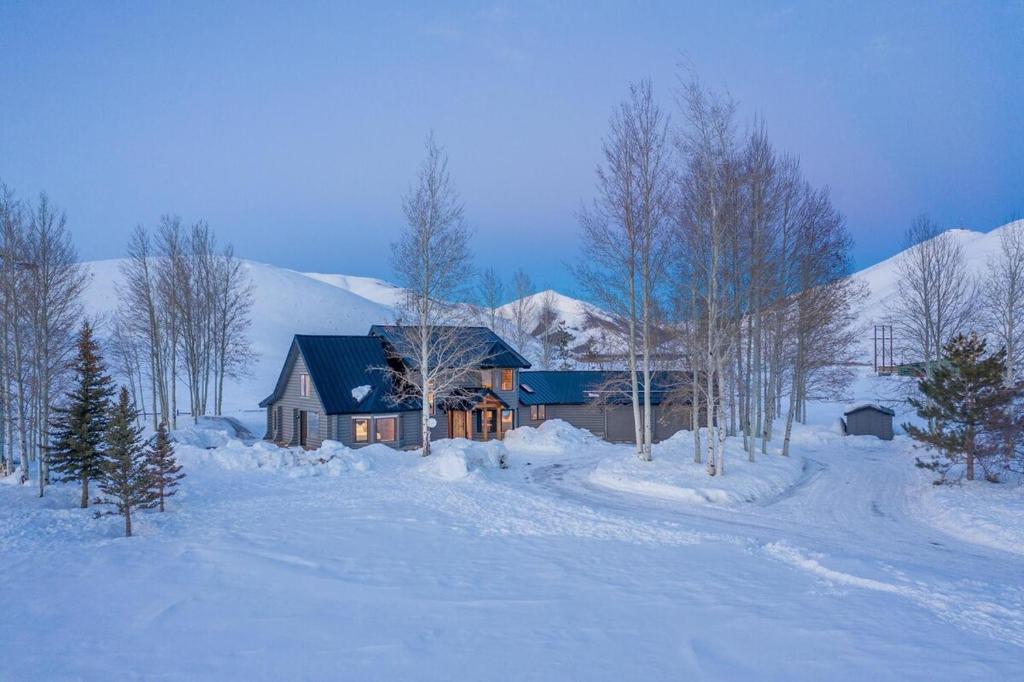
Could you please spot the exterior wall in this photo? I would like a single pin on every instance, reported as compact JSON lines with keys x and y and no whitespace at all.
{"x":613,"y":423}
{"x":408,"y":429}
{"x":291,"y":401}
{"x":869,"y":423}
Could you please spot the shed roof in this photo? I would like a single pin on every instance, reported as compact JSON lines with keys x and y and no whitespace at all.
{"x":870,"y":406}
{"x":579,"y":387}
{"x":480,"y":345}
{"x":339,"y":364}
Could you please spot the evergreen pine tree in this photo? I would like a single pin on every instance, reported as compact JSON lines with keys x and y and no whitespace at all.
{"x":78,"y":426}
{"x":127,"y":481}
{"x":965,"y":400}
{"x":163,"y":466}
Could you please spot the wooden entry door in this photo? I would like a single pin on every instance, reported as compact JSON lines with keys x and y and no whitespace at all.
{"x":457,"y":423}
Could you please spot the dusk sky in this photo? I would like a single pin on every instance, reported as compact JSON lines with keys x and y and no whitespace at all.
{"x":294,"y":130}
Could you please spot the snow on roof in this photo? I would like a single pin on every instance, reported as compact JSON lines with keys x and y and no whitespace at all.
{"x":866,"y":406}
{"x":360,"y":392}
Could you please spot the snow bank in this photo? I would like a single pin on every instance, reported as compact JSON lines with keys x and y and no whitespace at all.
{"x":332,"y":459}
{"x":990,"y":514}
{"x":455,"y":459}
{"x":360,"y":392}
{"x":553,"y":437}
{"x":673,"y":475}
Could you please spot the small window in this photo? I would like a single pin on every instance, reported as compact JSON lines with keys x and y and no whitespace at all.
{"x":360,"y":430}
{"x":304,"y":385}
{"x":507,"y":379}
{"x":386,"y":429}
{"x":538,"y":413}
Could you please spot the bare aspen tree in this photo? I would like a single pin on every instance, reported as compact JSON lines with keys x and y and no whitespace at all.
{"x":935,"y":292}
{"x":707,"y":215}
{"x":625,"y":241}
{"x":231,"y":297}
{"x":492,"y":290}
{"x":546,"y":330}
{"x":523,"y":309}
{"x":431,"y":260}
{"x":1002,"y":302}
{"x":57,"y":281}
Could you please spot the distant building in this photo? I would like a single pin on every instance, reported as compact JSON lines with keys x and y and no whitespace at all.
{"x":869,"y":420}
{"x":338,"y":388}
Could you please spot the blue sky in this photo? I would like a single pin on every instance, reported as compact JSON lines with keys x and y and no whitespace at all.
{"x":294,"y":130}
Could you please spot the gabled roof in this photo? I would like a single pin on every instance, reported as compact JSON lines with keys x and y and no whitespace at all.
{"x":870,"y":406}
{"x":339,"y":364}
{"x":479,"y":344}
{"x":580,"y":387}
{"x":469,"y":397}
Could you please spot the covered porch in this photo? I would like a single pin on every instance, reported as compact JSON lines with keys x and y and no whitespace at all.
{"x":478,"y":414}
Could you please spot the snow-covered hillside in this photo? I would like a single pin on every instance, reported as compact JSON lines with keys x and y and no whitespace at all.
{"x":581,"y":318}
{"x":882,"y":277}
{"x":285,"y":303}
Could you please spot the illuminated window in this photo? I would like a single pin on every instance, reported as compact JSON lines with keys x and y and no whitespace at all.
{"x":507,"y":379}
{"x":538,"y":412}
{"x":386,"y":429}
{"x":361,"y":430}
{"x":304,"y":385}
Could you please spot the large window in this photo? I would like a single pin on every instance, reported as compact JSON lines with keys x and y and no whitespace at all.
{"x":507,"y":379}
{"x":313,"y":424}
{"x":304,"y":385}
{"x":538,"y":413}
{"x":361,"y":430}
{"x":385,"y":429}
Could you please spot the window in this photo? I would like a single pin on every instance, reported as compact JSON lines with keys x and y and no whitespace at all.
{"x":507,"y":379}
{"x":304,"y":385}
{"x":507,"y":420}
{"x":313,"y":424}
{"x":487,"y":378}
{"x":386,"y":429}
{"x":538,"y":413}
{"x":361,"y":430}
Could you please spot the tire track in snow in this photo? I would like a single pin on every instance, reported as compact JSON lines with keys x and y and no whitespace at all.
{"x":994,"y":620}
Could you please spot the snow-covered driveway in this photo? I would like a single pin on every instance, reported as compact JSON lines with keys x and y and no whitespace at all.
{"x":533,"y":572}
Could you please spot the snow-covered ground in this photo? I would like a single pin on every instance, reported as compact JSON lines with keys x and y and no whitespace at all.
{"x":515,"y":560}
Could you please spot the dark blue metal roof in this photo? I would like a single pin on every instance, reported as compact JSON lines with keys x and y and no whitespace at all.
{"x":580,"y":387}
{"x":339,"y":364}
{"x":479,"y":344}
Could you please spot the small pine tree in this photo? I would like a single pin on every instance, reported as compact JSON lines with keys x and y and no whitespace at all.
{"x":127,"y":481}
{"x":163,"y":466}
{"x":965,"y":399}
{"x":78,"y":426}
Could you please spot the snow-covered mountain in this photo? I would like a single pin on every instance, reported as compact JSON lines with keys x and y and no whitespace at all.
{"x":582,"y":320}
{"x":881,"y":278}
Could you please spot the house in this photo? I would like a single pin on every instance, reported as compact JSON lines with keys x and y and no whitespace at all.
{"x":599,"y":401}
{"x":869,"y":420}
{"x":339,"y":388}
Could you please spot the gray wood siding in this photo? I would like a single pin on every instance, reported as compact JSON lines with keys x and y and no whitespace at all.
{"x":291,"y":401}
{"x":613,"y":423}
{"x":869,"y":423}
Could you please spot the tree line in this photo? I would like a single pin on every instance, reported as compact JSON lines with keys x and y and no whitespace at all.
{"x":963,"y":334}
{"x":182,"y":321}
{"x":712,"y":252}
